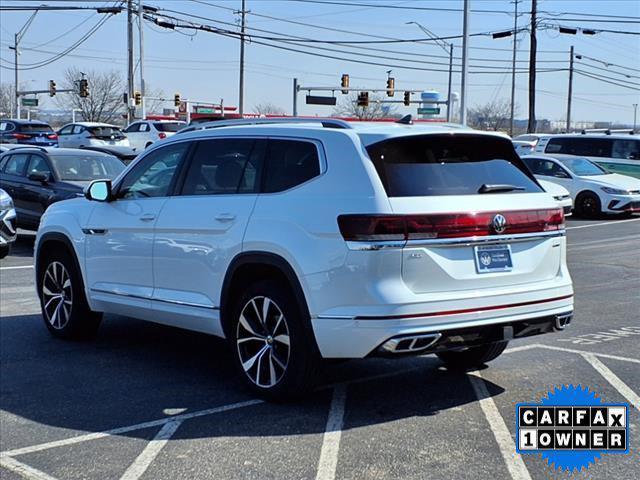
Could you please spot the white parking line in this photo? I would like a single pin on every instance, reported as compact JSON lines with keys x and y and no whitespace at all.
{"x":333,"y":431}
{"x":515,"y":464}
{"x":613,"y":379}
{"x":583,"y":352}
{"x":151,"y":451}
{"x":21,"y":267}
{"x":25,"y":471}
{"x":603,"y":223}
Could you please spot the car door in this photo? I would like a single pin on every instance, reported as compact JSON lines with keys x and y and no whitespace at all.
{"x":133,"y":134}
{"x":64,"y":136}
{"x":119,"y":241}
{"x":38,"y":194}
{"x":554,"y":172}
{"x":201,"y":230}
{"x":12,"y":180}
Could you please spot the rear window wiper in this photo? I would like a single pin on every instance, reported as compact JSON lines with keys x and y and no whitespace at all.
{"x":497,"y":188}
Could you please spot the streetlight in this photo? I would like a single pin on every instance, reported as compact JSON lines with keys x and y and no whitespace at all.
{"x":16,"y":42}
{"x":447,"y":47}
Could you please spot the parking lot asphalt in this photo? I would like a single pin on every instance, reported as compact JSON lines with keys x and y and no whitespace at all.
{"x":153,"y":402}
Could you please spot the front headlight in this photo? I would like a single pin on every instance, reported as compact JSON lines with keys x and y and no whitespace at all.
{"x":5,"y":201}
{"x":615,"y":191}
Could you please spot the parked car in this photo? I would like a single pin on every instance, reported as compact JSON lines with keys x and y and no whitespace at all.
{"x":299,"y":242}
{"x":530,"y":137}
{"x":37,"y":177}
{"x":615,"y":152}
{"x":125,"y":154}
{"x":593,"y":189}
{"x":83,"y":134}
{"x":144,"y":133}
{"x":559,"y":194}
{"x":523,"y":147}
{"x":7,"y":223}
{"x":27,"y":132}
{"x":4,"y":147}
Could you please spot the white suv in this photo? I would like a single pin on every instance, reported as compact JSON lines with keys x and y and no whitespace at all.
{"x":310,"y":239}
{"x":143,"y":133}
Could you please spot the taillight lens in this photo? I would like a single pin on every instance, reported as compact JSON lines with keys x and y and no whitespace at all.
{"x":21,"y":136}
{"x":162,"y":135}
{"x":52,"y":136}
{"x":368,"y":228}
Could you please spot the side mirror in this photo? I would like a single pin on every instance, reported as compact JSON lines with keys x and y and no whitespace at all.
{"x":99,"y":191}
{"x":42,"y":177}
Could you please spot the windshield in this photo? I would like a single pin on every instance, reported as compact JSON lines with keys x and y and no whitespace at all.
{"x":582,"y":166}
{"x":84,"y":168}
{"x":105,"y":131}
{"x":459,"y":164}
{"x":168,"y":126}
{"x":31,"y":128}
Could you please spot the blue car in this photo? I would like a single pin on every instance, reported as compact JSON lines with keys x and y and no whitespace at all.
{"x":27,"y":132}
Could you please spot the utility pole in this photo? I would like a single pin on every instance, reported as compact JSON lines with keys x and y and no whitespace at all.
{"x":513,"y":67}
{"x":141,"y":40}
{"x":130,"y":109}
{"x":635,"y":114}
{"x":465,"y":64}
{"x":295,"y":97}
{"x":449,"y":84}
{"x":570,"y":90}
{"x":531,"y":127}
{"x":15,"y":76}
{"x":241,"y":86}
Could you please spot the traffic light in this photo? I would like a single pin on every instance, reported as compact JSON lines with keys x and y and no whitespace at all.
{"x":344,"y":83}
{"x":407,"y":98}
{"x":176,"y":100}
{"x":52,"y":88}
{"x":84,"y":88}
{"x":137,"y":98}
{"x":363,"y":99}
{"x":391,"y":83}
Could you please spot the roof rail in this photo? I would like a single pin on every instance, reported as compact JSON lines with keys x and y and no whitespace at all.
{"x":607,"y":131}
{"x":325,"y":122}
{"x":42,"y":149}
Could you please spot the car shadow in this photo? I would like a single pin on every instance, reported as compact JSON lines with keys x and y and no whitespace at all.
{"x":23,"y":246}
{"x":134,"y":372}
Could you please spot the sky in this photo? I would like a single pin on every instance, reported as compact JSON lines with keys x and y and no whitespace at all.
{"x":204,"y":66}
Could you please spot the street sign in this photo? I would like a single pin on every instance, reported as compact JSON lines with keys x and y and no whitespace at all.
{"x":428,"y":111}
{"x":206,"y":110}
{"x":29,"y":102}
{"x":319,"y":100}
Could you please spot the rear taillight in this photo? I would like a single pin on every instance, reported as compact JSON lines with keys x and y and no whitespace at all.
{"x":21,"y":136}
{"x":368,"y":228}
{"x":162,"y":135}
{"x":52,"y":136}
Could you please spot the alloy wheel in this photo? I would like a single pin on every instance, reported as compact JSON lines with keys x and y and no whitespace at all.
{"x":57,"y":295}
{"x":262,"y":339}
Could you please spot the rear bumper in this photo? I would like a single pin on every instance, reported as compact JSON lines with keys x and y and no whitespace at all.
{"x":361,"y":336}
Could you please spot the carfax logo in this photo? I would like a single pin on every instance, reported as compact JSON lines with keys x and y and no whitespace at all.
{"x":571,"y":427}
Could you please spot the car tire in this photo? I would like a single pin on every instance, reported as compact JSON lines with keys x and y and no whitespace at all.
{"x":65,"y":310}
{"x":588,"y":205}
{"x":473,"y":356}
{"x":272,"y":348}
{"x":5,"y":250}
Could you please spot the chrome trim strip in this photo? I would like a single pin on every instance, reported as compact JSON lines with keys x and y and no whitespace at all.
{"x":333,"y":317}
{"x":94,"y":231}
{"x":155,"y":299}
{"x":459,"y":242}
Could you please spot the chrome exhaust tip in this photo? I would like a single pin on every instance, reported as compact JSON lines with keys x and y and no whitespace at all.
{"x":561,"y":321}
{"x":409,"y":343}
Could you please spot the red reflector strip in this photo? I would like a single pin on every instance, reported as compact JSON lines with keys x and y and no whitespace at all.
{"x":465,"y":310}
{"x":367,"y":228}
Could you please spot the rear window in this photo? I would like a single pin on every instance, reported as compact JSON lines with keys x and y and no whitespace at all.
{"x":586,"y":146}
{"x":168,"y":126}
{"x":31,"y":128}
{"x":105,"y":132}
{"x":457,"y":164}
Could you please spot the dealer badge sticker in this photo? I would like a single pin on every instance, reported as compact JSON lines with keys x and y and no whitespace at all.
{"x":571,"y":427}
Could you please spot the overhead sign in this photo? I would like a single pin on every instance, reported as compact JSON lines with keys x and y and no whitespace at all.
{"x":29,"y":102}
{"x":318,"y":100}
{"x":428,"y":111}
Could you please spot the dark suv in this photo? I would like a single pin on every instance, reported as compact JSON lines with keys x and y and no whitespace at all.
{"x":28,"y":132}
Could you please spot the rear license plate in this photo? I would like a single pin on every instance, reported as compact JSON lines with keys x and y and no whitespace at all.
{"x":493,"y":258}
{"x":40,"y":139}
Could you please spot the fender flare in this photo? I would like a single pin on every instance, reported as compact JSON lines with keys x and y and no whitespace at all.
{"x":57,"y":237}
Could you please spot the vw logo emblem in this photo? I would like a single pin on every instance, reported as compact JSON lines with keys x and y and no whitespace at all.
{"x":499,"y":223}
{"x":485,"y":259}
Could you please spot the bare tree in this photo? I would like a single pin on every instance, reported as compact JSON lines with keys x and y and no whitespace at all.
{"x":490,"y":116}
{"x":268,"y":108}
{"x":348,"y":107}
{"x":105,"y":100}
{"x":155,"y":105}
{"x":6,"y":99}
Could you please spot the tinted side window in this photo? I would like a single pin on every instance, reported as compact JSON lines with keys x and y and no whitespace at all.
{"x":16,"y":164}
{"x":590,"y":147}
{"x":132,"y":128}
{"x":66,"y":130}
{"x":224,"y":166}
{"x":629,"y":149}
{"x":290,"y":163}
{"x":38,"y":164}
{"x":153,"y":176}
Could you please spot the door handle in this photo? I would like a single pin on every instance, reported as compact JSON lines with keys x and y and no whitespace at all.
{"x":225,"y":217}
{"x":148,"y":217}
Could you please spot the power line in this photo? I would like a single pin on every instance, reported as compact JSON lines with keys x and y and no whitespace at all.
{"x":594,"y":77}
